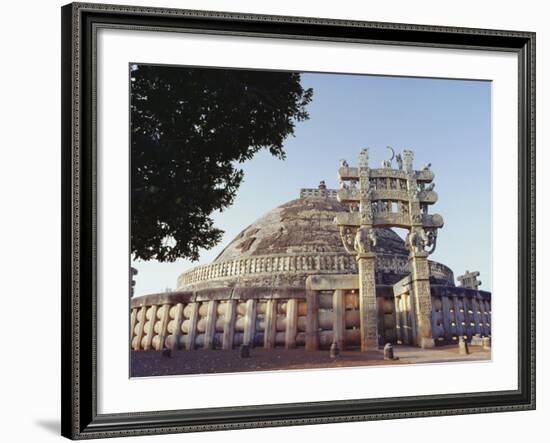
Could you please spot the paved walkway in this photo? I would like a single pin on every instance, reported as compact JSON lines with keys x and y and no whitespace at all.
{"x":153,"y":363}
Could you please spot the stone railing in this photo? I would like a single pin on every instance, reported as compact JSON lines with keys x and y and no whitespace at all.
{"x":309,"y":318}
{"x":455,"y":312}
{"x":183,"y":320}
{"x":303,"y":263}
{"x":317,"y":193}
{"x":267,"y":264}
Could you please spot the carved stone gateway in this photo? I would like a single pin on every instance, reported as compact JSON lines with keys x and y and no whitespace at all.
{"x":389,"y":197}
{"x":469,"y":280}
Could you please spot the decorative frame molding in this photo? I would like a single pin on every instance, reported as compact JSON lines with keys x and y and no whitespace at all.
{"x":80,"y":419}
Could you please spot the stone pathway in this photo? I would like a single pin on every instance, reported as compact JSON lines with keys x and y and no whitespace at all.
{"x":153,"y":363}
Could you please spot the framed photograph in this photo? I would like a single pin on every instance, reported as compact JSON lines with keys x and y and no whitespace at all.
{"x":273,"y":221}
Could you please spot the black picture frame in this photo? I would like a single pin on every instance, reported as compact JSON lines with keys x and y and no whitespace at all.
{"x":79,"y":170}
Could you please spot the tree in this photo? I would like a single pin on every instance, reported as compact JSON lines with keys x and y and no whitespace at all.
{"x":190,"y":129}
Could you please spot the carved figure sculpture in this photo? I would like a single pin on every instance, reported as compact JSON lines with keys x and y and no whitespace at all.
{"x":430,"y":187}
{"x":365,"y":240}
{"x":366,"y":217}
{"x":432,"y":240}
{"x":347,"y":239}
{"x":387,"y":163}
{"x":344,"y":164}
{"x":417,"y":239}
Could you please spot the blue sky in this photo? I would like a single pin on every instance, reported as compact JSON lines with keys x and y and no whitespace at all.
{"x":445,"y":122}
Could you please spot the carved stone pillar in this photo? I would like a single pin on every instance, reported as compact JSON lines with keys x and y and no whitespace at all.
{"x":339,"y":324}
{"x":270,"y":324}
{"x":150,"y":332}
{"x":398,"y":321}
{"x":459,"y":315}
{"x":312,"y":321}
{"x":366,"y":263}
{"x":478,"y":328}
{"x":291,"y":323}
{"x":164,"y":319}
{"x":229,"y":324}
{"x":210,"y":324}
{"x":193,"y":320}
{"x":412,"y":317}
{"x":405,"y":316}
{"x":250,"y":323}
{"x":446,"y":308}
{"x":420,"y":277}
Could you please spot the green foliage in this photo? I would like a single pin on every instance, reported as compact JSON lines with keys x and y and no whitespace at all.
{"x":190,"y":128}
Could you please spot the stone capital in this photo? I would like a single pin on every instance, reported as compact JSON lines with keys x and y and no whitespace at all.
{"x":365,"y":255}
{"x":415,"y":255}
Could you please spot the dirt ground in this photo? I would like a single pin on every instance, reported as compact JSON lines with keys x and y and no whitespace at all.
{"x":154,"y":363}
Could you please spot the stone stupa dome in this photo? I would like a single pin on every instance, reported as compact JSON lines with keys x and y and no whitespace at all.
{"x":301,"y":226}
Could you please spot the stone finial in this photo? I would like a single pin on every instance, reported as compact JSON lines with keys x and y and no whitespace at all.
{"x":408,"y":157}
{"x":364,"y":158}
{"x":469,"y":280}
